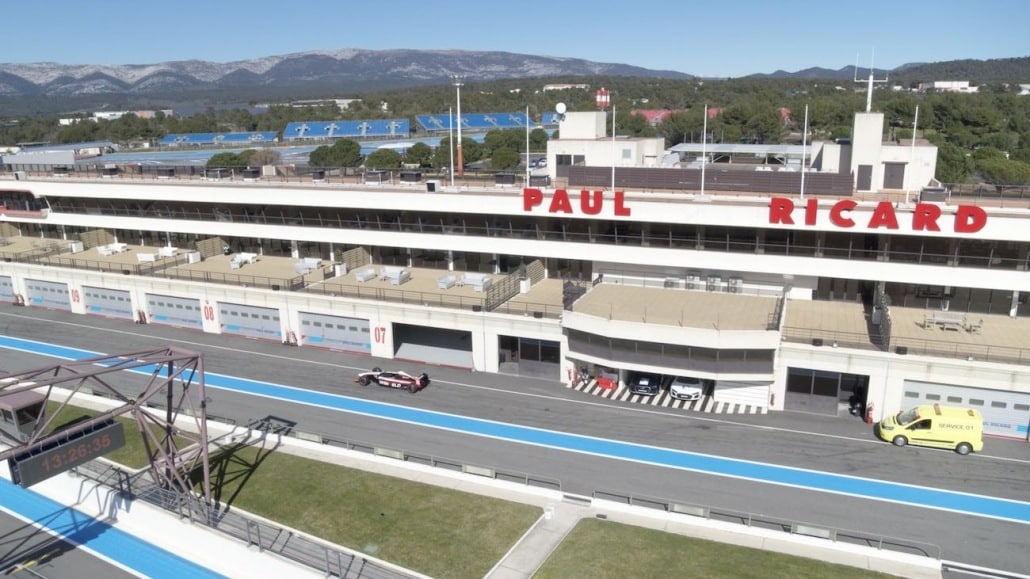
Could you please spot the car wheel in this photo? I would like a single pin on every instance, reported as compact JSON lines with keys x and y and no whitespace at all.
{"x":900,"y":441}
{"x":963,"y":448}
{"x":363,"y":381}
{"x":412,"y":388}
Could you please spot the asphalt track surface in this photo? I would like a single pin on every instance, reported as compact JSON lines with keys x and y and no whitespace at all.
{"x":27,"y":551}
{"x":975,"y":508}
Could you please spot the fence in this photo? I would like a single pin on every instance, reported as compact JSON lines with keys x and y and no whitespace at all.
{"x":776,"y":524}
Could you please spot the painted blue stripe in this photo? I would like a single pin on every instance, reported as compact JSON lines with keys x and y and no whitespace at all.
{"x":953,"y":501}
{"x":98,"y":536}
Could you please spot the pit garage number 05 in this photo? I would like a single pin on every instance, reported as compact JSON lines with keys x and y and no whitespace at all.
{"x":394,"y":379}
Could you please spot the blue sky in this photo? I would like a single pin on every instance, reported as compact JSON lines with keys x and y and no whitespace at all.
{"x":733,"y":38}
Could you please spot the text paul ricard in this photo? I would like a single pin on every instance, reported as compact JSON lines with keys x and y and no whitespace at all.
{"x":782,"y":211}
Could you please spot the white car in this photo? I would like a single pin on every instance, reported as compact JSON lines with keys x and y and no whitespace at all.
{"x":685,"y":388}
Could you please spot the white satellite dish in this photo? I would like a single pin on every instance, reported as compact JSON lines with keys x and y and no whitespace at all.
{"x":560,"y":108}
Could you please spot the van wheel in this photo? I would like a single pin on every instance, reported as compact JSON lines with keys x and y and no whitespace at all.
{"x":900,"y":441}
{"x":963,"y":448}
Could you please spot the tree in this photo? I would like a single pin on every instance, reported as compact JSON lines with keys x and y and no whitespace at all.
{"x":953,"y":165}
{"x":383,"y":159}
{"x":538,"y":140}
{"x":419,"y":154}
{"x":264,"y":157}
{"x":512,"y":139}
{"x":505,"y":158}
{"x":1001,"y":171}
{"x":343,"y":153}
{"x":226,"y":160}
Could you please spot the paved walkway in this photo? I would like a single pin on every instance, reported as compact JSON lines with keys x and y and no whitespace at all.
{"x":560,"y":513}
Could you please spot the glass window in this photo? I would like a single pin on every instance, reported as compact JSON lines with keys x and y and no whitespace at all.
{"x":934,"y":397}
{"x":1021,"y":407}
{"x":976,"y":402}
{"x":955,"y":399}
{"x":998,"y":404}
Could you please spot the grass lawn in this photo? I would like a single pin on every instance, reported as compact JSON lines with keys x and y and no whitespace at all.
{"x":602,"y":549}
{"x":450,"y":534}
{"x":433,"y":530}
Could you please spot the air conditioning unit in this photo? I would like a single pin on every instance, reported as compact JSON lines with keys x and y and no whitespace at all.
{"x":714,"y":283}
{"x":736,"y":285}
{"x":693,"y":280}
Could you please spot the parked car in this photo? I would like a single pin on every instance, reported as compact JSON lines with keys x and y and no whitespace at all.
{"x":686,"y":388}
{"x":394,"y":379}
{"x":645,"y":384}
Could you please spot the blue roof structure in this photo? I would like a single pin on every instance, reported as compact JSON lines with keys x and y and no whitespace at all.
{"x":474,"y":122}
{"x":379,"y":128}
{"x":186,"y":139}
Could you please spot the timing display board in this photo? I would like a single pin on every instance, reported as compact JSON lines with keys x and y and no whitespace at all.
{"x":29,"y":468}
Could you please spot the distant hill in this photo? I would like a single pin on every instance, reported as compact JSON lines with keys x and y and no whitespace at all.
{"x":1012,"y":70}
{"x":46,"y":88}
{"x":341,"y":71}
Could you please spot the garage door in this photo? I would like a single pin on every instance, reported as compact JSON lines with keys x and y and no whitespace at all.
{"x":107,"y":302}
{"x":250,"y":321}
{"x":335,"y":332}
{"x":1005,"y":413}
{"x":812,"y":391}
{"x":47,"y":294}
{"x":175,"y":311}
{"x":6,"y":288}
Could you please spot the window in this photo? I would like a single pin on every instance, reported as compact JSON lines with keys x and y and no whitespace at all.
{"x":1021,"y":407}
{"x":976,"y":402}
{"x":998,"y":404}
{"x":935,"y":397}
{"x":955,"y":399}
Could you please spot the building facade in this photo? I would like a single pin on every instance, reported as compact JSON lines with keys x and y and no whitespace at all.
{"x":806,"y":302}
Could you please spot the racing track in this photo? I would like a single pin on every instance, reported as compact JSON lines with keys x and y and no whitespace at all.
{"x":865,"y":488}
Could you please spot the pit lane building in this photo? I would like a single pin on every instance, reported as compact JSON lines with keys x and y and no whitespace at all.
{"x":859,"y":283}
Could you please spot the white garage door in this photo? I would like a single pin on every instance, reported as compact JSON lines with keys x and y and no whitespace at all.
{"x":1005,"y":414}
{"x":107,"y":302}
{"x":335,"y":332}
{"x":250,"y":321}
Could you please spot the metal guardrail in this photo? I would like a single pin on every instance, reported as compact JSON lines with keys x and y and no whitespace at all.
{"x":834,"y":534}
{"x":329,"y":559}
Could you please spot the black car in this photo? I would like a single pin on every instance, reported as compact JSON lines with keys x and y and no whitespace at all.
{"x":645,"y":384}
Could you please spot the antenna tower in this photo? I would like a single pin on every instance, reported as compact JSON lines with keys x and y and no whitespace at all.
{"x":869,"y":90}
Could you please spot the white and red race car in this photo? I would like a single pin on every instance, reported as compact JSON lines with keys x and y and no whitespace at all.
{"x":394,"y":379}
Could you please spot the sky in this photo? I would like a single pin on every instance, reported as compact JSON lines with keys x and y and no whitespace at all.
{"x":706,"y":38}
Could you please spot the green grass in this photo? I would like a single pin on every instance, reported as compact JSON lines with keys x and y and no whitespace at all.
{"x":601,"y":549}
{"x":450,"y":534}
{"x":433,"y":530}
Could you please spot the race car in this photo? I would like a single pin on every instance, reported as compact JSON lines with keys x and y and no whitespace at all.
{"x":394,"y":379}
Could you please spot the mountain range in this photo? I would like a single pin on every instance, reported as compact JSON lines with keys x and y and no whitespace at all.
{"x":346,"y":70}
{"x":352,"y":70}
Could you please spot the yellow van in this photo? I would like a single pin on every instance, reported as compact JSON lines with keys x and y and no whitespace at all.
{"x":937,"y":426}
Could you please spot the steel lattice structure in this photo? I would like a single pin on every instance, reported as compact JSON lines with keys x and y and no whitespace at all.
{"x":172,"y":397}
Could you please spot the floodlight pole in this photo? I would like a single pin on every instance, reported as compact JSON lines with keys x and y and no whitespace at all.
{"x":526,"y":145}
{"x":461,"y":163}
{"x":804,"y":152}
{"x":912,"y":155}
{"x":613,"y":147}
{"x":704,"y":151}
{"x":450,"y":140}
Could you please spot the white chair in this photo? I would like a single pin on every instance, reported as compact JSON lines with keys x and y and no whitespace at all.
{"x":365,"y":274}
